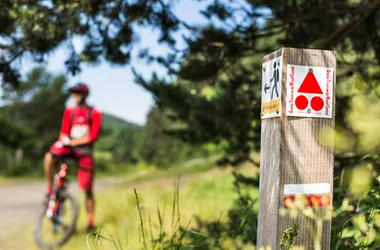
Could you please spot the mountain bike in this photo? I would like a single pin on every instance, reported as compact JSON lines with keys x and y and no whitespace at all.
{"x":60,"y":213}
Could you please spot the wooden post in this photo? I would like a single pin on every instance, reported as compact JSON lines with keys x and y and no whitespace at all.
{"x":298,"y":117}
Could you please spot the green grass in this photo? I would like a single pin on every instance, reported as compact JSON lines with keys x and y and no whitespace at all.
{"x":22,"y":179}
{"x":208,"y":194}
{"x":147,"y":173}
{"x":130,"y":173}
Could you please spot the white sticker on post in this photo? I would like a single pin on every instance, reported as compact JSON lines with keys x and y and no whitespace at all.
{"x":271,"y":88}
{"x":309,"y":91}
{"x":299,"y":189}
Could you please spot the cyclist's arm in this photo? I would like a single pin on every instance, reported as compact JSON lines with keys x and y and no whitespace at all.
{"x":94,"y":130}
{"x":65,"y":127}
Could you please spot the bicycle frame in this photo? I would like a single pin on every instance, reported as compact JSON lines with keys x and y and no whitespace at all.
{"x":55,"y":201}
{"x":54,"y":211}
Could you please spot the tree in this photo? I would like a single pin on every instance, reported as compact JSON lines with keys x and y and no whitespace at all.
{"x":12,"y":134}
{"x":33,"y":29}
{"x":216,"y":91}
{"x":216,"y":69}
{"x":159,"y":147}
{"x":36,"y":111}
{"x":37,"y":27}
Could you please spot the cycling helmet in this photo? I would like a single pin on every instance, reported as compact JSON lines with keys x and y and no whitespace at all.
{"x":79,"y":88}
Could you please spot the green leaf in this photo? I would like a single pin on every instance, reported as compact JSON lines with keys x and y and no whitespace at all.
{"x":13,"y":13}
{"x":349,"y":232}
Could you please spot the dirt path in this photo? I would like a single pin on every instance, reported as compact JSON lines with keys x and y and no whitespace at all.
{"x":20,"y":203}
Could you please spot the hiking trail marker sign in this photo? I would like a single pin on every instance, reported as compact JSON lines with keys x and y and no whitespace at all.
{"x":271,"y":88}
{"x":296,"y":146}
{"x":309,"y":91}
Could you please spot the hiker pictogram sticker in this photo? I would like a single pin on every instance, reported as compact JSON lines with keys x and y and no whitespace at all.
{"x":271,"y":88}
{"x":309,"y":91}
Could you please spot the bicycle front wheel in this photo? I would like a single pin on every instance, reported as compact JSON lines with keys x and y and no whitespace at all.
{"x":55,"y":232}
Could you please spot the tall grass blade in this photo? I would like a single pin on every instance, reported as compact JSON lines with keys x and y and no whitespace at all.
{"x":183,"y":234}
{"x":161,"y":225}
{"x":88,"y":242}
{"x":177,"y":193}
{"x":141,"y":218}
{"x":121,"y":246}
{"x":173,"y":208}
{"x":151,"y":229}
{"x":162,"y":233}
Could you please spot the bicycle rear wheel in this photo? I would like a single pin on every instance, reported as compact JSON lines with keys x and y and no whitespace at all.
{"x":49,"y":233}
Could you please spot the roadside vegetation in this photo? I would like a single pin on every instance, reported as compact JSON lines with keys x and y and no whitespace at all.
{"x":207,"y":106}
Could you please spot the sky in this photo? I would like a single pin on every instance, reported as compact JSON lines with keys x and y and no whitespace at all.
{"x":112,"y":89}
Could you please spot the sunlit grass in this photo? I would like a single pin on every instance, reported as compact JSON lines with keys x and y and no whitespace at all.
{"x":150,"y":172}
{"x":208,"y":194}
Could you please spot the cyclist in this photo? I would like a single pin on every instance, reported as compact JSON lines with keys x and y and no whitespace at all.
{"x":81,"y":126}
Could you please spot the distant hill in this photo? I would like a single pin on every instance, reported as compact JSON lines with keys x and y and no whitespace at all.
{"x":120,"y":140}
{"x":111,"y":121}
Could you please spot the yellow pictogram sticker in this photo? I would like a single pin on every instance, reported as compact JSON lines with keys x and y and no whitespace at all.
{"x":271,"y":107}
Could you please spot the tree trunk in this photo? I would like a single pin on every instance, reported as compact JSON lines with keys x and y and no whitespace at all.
{"x":19,"y":155}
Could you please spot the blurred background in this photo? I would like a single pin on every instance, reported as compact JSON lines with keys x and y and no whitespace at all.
{"x":179,"y":85}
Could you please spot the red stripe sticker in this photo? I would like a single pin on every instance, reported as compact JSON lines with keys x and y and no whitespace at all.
{"x":308,"y":200}
{"x":307,"y":195}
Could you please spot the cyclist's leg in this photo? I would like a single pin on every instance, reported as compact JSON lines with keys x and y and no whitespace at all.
{"x":55,"y":153}
{"x":85,"y":181}
{"x":49,"y":165}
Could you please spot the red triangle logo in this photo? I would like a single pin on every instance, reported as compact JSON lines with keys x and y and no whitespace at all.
{"x":310,"y":84}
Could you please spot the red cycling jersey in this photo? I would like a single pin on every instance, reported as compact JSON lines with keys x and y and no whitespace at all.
{"x":75,"y":123}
